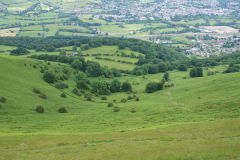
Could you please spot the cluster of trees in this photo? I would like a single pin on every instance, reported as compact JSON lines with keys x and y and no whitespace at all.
{"x":92,"y":69}
{"x":103,"y":87}
{"x":51,"y":43}
{"x":151,"y":68}
{"x":19,"y":51}
{"x":152,"y":87}
{"x":232,"y":68}
{"x":196,"y":72}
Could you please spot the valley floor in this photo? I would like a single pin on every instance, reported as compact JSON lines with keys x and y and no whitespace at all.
{"x":219,"y":140}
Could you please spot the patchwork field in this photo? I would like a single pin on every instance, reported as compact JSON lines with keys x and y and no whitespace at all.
{"x":219,"y":29}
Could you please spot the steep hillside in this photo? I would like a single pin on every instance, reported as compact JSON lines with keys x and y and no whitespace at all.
{"x":191,"y":100}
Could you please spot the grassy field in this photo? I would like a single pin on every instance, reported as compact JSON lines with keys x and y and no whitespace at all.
{"x":196,"y":119}
{"x":113,"y":53}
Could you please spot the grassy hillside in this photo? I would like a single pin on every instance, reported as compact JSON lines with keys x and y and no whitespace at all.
{"x":174,"y":123}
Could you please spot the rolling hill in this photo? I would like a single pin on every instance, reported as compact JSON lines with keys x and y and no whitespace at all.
{"x":186,"y":121}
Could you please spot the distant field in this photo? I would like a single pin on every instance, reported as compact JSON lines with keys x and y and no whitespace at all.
{"x":181,"y":39}
{"x":113,"y":50}
{"x":199,"y":21}
{"x":10,"y":32}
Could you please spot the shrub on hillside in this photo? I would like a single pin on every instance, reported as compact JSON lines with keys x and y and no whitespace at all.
{"x":115,"y":86}
{"x":101,"y":87}
{"x":232,"y":68}
{"x":39,"y":109}
{"x":182,"y":67}
{"x":137,"y":99}
{"x":126,"y":86}
{"x":110,"y":104}
{"x":130,"y":97}
{"x":63,"y":95}
{"x":89,"y":98}
{"x":61,"y":85}
{"x":151,"y":87}
{"x":168,"y":85}
{"x":75,"y":90}
{"x":123,"y":100}
{"x":210,"y":73}
{"x":43,"y":96}
{"x":82,"y":84}
{"x":196,"y":72}
{"x":62,"y":110}
{"x":3,"y":99}
{"x":49,"y":77}
{"x":37,"y":91}
{"x":116,"y":109}
{"x":133,"y":110}
{"x":166,"y":77}
{"x":103,"y":98}
{"x":19,"y":51}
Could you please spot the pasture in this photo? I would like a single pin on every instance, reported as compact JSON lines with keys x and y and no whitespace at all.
{"x":185,"y":121}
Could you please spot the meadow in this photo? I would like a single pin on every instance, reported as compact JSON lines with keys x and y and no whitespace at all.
{"x":196,"y":119}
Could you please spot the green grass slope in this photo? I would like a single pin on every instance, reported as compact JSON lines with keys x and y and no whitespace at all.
{"x":196,"y":119}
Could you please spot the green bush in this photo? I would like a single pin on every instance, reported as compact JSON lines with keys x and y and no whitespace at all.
{"x":115,"y":86}
{"x":49,"y":77}
{"x":151,"y":87}
{"x":232,"y":68}
{"x":37,"y":91}
{"x":103,"y":98}
{"x":123,"y":100}
{"x":75,"y":90}
{"x":82,"y":84}
{"x":196,"y":72}
{"x":63,"y":95}
{"x":110,"y":104}
{"x":89,"y":98}
{"x":116,"y":109}
{"x":0,"y":106}
{"x":79,"y":93}
{"x":130,"y":97}
{"x":101,"y":87}
{"x":210,"y":73}
{"x":133,"y":110}
{"x":43,"y":96}
{"x":61,"y":85}
{"x":137,"y":99}
{"x":62,"y":110}
{"x":39,"y":109}
{"x":126,"y":86}
{"x":182,"y":67}
{"x":3,"y":99}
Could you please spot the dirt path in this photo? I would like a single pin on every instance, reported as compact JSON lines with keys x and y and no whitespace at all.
{"x":171,"y":99}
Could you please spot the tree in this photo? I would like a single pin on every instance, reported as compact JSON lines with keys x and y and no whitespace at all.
{"x":82,"y":84}
{"x":196,"y":72}
{"x":126,"y":86}
{"x":182,"y":67}
{"x":19,"y":51}
{"x":93,"y":69}
{"x":80,"y":76}
{"x":115,"y":86}
{"x":78,"y":64}
{"x":166,"y":76}
{"x":232,"y":68}
{"x":49,"y":77}
{"x":162,"y":67}
{"x":153,"y":69}
{"x":101,"y":87}
{"x":151,"y":87}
